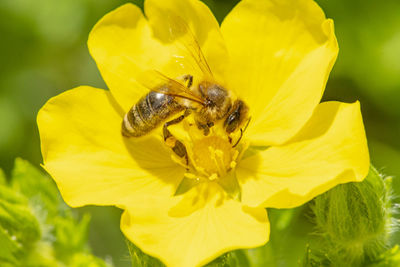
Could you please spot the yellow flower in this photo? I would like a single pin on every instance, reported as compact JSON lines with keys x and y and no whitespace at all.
{"x":275,"y":56}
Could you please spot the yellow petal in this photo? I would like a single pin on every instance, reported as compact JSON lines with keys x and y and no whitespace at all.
{"x":331,"y":149}
{"x":281,"y":54}
{"x":85,"y":153}
{"x":124,"y":46}
{"x":193,"y":229}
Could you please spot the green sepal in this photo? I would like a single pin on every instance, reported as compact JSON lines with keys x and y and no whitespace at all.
{"x":231,"y":185}
{"x":185,"y":185}
{"x":252,"y":150}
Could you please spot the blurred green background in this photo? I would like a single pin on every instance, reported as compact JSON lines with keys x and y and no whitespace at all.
{"x":43,"y":52}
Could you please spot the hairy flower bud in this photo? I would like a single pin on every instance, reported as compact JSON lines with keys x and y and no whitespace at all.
{"x":355,"y":221}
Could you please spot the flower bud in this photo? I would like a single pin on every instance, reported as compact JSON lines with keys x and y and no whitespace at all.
{"x":354,"y":220}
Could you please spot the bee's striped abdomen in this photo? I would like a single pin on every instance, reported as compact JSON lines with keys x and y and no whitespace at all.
{"x":148,"y":113}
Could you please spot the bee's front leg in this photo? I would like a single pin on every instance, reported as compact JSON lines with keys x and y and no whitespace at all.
{"x":205,"y":127}
{"x":177,"y":146}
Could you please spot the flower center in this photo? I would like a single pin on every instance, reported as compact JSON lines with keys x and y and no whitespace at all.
{"x":209,"y":157}
{"x":213,"y":156}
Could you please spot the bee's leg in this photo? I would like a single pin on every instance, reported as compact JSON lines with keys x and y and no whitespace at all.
{"x":177,"y":146}
{"x":241,"y":133}
{"x":188,"y":79}
{"x":205,"y":127}
{"x":240,"y":138}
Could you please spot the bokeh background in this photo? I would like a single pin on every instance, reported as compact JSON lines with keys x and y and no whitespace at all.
{"x":43,"y":52}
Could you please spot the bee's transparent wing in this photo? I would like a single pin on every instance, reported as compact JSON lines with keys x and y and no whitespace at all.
{"x":187,"y":53}
{"x":158,"y":82}
{"x":188,"y":48}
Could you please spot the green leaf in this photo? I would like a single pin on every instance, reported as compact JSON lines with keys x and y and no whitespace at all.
{"x":9,"y":249}
{"x":140,"y":259}
{"x":9,"y":195}
{"x":19,"y":229}
{"x":36,"y":227}
{"x":290,"y":232}
{"x":87,"y":260}
{"x":3,"y":179}
{"x":231,"y":259}
{"x":70,"y":235}
{"x":236,"y":258}
{"x":37,"y":187}
{"x":17,"y":218}
{"x":226,"y":260}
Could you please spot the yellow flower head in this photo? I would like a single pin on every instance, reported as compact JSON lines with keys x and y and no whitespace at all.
{"x":245,"y":129}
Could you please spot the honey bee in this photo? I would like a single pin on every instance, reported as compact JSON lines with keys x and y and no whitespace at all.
{"x":209,"y":102}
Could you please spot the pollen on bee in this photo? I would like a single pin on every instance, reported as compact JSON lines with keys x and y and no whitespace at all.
{"x":170,"y":141}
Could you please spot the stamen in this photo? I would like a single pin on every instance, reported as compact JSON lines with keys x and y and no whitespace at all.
{"x":217,"y":160}
{"x":210,"y":157}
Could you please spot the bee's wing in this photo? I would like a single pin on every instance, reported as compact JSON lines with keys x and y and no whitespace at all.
{"x":187,"y":53}
{"x":158,"y":82}
{"x":186,"y":43}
